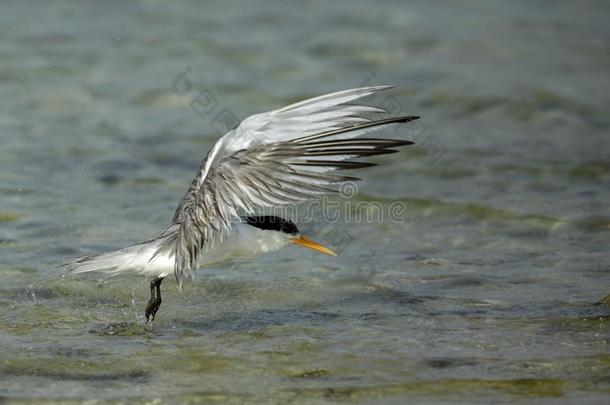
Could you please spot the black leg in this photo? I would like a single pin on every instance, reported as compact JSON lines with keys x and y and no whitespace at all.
{"x":152,"y":290}
{"x":155,"y":299}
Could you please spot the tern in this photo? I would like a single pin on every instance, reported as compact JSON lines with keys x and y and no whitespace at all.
{"x":286,"y":156}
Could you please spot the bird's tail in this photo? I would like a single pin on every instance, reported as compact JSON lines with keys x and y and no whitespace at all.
{"x":136,"y":258}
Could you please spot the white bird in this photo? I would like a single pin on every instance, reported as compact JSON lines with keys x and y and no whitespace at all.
{"x":285,"y":156}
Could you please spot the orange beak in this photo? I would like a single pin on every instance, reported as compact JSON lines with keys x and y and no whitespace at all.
{"x":308,"y":243}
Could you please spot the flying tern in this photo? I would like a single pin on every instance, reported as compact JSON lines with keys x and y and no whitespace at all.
{"x":286,"y":156}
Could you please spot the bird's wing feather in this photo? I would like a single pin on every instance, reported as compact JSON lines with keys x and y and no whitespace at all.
{"x":282,"y":157}
{"x":323,"y":113}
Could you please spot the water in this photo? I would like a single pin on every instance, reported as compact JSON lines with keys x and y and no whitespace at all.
{"x":490,"y":288}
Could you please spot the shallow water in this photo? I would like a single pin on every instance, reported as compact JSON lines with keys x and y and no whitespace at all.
{"x":489,"y":285}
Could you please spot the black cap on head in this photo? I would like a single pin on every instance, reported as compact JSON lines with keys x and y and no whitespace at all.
{"x":272,"y":223}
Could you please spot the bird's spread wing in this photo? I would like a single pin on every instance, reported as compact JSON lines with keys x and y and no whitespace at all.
{"x":285,"y":156}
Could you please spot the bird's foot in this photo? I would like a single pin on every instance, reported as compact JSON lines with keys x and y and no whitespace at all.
{"x":152,"y":308}
{"x":155,"y":300}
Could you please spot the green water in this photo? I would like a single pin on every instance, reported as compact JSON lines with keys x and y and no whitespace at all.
{"x":492,"y":287}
